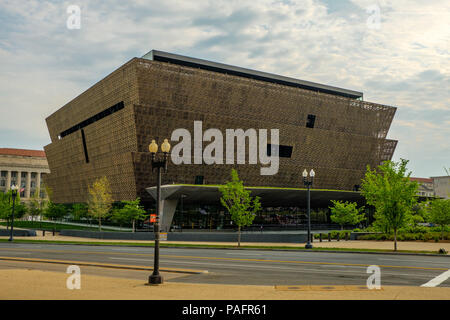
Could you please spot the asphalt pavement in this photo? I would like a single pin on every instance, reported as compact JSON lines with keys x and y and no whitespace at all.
{"x":252,"y":267}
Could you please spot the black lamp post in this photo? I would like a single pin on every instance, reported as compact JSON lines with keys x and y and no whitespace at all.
{"x":308,"y":183}
{"x":158,"y":164}
{"x":14,"y":195}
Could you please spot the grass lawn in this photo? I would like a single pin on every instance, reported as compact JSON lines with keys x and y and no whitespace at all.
{"x":58,"y":226}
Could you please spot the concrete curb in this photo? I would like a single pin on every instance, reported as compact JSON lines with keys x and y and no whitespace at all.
{"x":102,"y":265}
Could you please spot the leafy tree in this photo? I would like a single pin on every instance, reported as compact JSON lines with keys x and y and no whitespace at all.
{"x":6,"y":207}
{"x":35,"y":207}
{"x":392,"y":194}
{"x":119,"y":217}
{"x":439,"y":211}
{"x":79,"y":211}
{"x":346,"y":213}
{"x":419,"y":213}
{"x":100,"y":200}
{"x":239,"y":203}
{"x":132,"y":211}
{"x":54,"y":211}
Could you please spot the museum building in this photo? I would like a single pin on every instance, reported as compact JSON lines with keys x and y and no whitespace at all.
{"x":106,"y":130}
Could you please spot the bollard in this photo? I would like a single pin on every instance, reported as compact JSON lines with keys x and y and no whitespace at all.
{"x":43,"y":233}
{"x":320,"y":237}
{"x":312,"y":237}
{"x":329,"y":236}
{"x":346,"y":236}
{"x":338,"y":235}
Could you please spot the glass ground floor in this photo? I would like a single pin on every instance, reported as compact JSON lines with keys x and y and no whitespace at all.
{"x":212,"y":217}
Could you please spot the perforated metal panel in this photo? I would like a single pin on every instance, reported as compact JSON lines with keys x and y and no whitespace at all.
{"x":160,"y":97}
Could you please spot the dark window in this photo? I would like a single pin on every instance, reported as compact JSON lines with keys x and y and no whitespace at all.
{"x":198,"y":180}
{"x":310,"y":121}
{"x":98,"y":116}
{"x":356,"y":187}
{"x":283,"y":151}
{"x":84,"y":146}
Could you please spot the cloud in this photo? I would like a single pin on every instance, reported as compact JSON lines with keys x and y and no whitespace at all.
{"x":404,"y":63}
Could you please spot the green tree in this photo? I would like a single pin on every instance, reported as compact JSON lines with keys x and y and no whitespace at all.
{"x":79,"y":211}
{"x":132,"y":211}
{"x":6,"y":207}
{"x":100,"y":200}
{"x":346,"y":213}
{"x":35,"y":207}
{"x":439,"y":213}
{"x":392,"y":194}
{"x":119,"y":217}
{"x":237,"y":200}
{"x":54,"y":211}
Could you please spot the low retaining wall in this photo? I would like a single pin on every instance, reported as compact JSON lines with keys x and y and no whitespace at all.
{"x":18,"y":233}
{"x":108,"y":235}
{"x":284,"y":237}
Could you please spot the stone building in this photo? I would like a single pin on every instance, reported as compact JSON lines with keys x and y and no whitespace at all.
{"x":442,"y":186}
{"x":426,"y":188}
{"x":24,"y":168}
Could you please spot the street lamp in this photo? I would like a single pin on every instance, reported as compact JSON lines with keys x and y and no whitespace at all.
{"x":156,"y":278}
{"x":308,"y":183}
{"x":14,"y":189}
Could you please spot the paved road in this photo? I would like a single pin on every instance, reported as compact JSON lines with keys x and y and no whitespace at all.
{"x":254,"y":267}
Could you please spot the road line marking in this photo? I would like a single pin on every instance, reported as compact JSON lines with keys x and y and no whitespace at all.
{"x":305,"y":262}
{"x":237,"y":259}
{"x":99,"y":264}
{"x":227,"y":266}
{"x":244,"y":254}
{"x":408,"y":260}
{"x":113,"y":258}
{"x":437,"y":280}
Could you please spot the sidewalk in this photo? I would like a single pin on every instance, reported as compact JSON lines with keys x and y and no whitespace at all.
{"x":44,"y":285}
{"x":431,"y":247}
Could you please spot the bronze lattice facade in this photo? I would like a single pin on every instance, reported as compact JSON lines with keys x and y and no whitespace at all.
{"x":107,"y":129}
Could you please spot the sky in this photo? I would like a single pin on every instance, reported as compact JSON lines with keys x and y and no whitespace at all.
{"x":396,"y":51}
